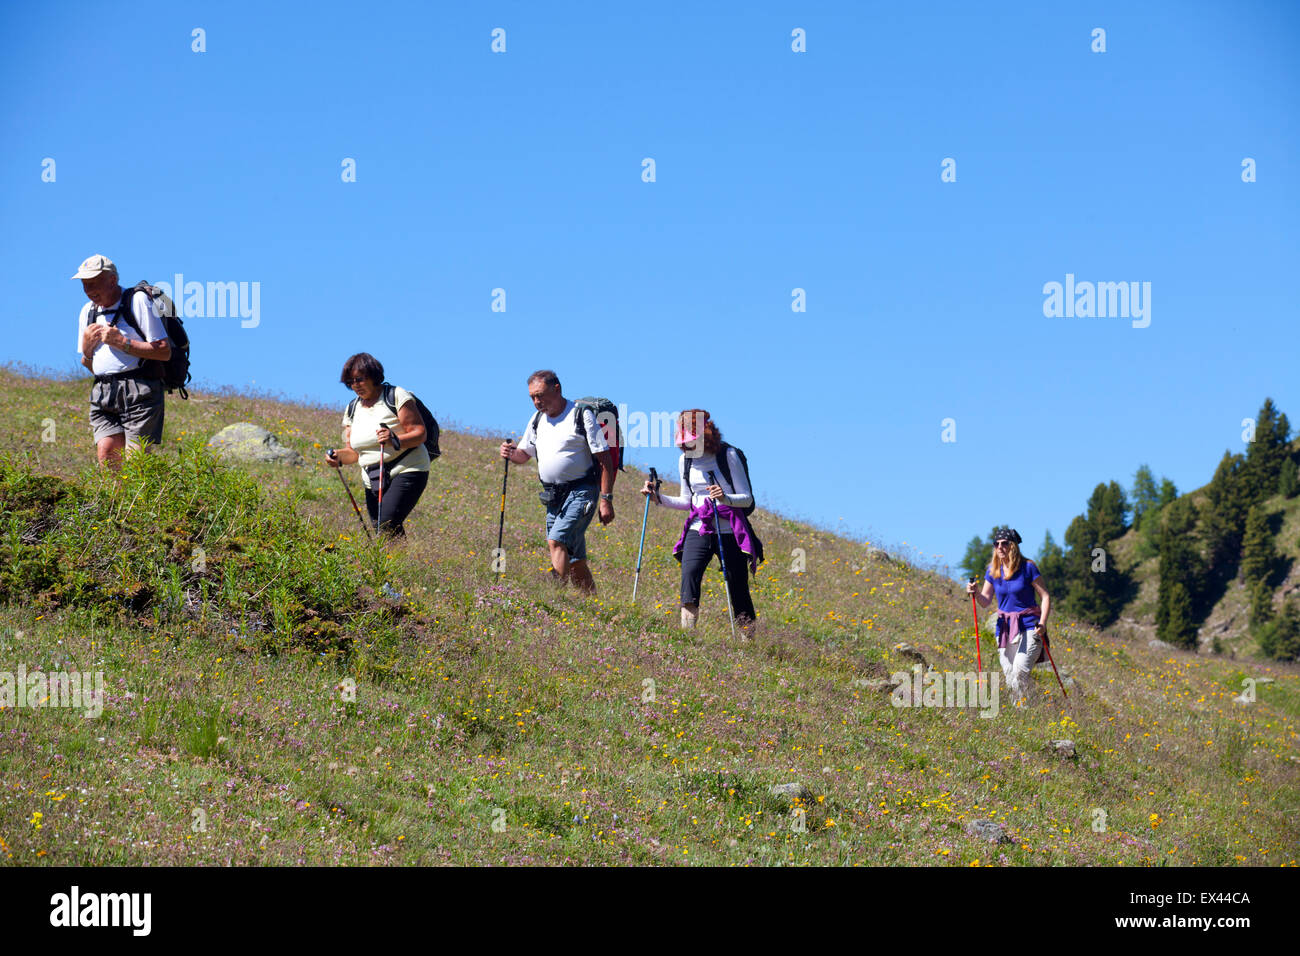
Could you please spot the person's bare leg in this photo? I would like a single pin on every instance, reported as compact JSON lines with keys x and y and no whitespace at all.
{"x":559,"y":560}
{"x":109,"y":451}
{"x":580,"y":574}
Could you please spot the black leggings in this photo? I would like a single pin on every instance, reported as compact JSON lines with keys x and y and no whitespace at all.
{"x":696,"y":555}
{"x":400,"y":496}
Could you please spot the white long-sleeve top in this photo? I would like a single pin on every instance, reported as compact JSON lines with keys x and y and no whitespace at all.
{"x":739,"y":494}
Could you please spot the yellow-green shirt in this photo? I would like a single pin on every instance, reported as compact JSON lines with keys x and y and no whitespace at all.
{"x":366,"y":421}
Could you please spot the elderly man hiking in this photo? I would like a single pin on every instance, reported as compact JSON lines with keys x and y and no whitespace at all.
{"x":118,"y":334}
{"x":577,"y":471}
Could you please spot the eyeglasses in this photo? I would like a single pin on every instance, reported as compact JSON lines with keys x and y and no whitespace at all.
{"x":1003,"y":544}
{"x":358,"y":379}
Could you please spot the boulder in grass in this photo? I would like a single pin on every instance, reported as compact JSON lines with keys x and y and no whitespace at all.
{"x":791,"y":790}
{"x":1158,"y":645}
{"x":910,"y":653}
{"x":874,"y":685}
{"x":989,"y":830}
{"x":244,"y":441}
{"x":1062,"y":748}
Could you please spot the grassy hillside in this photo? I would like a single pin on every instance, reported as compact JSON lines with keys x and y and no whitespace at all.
{"x":272,"y":704}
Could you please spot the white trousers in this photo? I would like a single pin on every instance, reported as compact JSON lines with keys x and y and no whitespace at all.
{"x":1018,"y":659}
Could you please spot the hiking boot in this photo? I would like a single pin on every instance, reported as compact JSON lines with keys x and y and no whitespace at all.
{"x":689,"y":618}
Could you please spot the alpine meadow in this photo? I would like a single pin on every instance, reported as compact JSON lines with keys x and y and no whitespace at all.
{"x":279,"y":690}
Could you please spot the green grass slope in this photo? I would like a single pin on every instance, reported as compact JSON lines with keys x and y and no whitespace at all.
{"x":268,"y":702}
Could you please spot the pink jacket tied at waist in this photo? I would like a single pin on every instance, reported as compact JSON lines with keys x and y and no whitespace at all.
{"x":739,"y":528}
{"x":1013,"y":624}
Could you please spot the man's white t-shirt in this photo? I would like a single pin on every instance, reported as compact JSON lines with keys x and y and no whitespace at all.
{"x":108,"y":360}
{"x":562,"y":453}
{"x":366,"y":421}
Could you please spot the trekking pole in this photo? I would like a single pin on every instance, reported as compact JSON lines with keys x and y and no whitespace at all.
{"x":654,"y":485}
{"x":979,"y":664}
{"x":726,"y":580}
{"x":501,"y":527}
{"x":331,"y":454}
{"x":1047,"y":647}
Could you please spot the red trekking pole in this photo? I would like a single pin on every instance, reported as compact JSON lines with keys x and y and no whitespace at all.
{"x":979,"y":664}
{"x":1047,"y":647}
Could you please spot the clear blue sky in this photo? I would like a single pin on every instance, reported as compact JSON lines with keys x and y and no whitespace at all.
{"x":775,"y":170}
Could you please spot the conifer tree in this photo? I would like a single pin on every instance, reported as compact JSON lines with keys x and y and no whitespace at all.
{"x":1051,"y":565}
{"x":1168,"y":491}
{"x":1181,"y":575}
{"x":1266,"y":453}
{"x":1145,"y":494}
{"x":1280,"y":638}
{"x":1261,"y":605}
{"x":1258,"y":556}
{"x":1175,"y":617}
{"x":1288,"y":481}
{"x":1224,"y":518}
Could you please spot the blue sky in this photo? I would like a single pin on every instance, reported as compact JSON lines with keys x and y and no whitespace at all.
{"x":775,"y":170}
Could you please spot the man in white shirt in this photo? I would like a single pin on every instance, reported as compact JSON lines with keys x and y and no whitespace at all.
{"x":116,"y":339}
{"x":573,"y":461}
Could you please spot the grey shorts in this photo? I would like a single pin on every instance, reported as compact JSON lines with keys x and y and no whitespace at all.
{"x":130,"y":405}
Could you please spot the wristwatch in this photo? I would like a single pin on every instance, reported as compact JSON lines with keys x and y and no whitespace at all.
{"x":606,"y":497}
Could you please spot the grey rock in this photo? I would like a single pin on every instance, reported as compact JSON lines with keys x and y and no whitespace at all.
{"x":1062,"y":748}
{"x":244,"y":441}
{"x":910,"y":653}
{"x":879,"y":686}
{"x":988,"y":830}
{"x":1160,"y":645}
{"x":790,"y":790}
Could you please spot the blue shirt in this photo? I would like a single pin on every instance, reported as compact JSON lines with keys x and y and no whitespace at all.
{"x":1017,"y":593}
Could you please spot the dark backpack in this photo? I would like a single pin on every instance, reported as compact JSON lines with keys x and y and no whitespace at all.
{"x":431,"y":430}
{"x":604,"y":412}
{"x":175,"y":372}
{"x":726,"y":473}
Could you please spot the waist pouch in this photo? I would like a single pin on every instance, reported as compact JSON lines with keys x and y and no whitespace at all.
{"x":553,"y":495}
{"x":387,"y":478}
{"x":380,"y":478}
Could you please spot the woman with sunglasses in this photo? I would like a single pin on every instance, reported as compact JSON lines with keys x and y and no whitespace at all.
{"x":1022,"y":624}
{"x":371,"y":423}
{"x":704,"y":452}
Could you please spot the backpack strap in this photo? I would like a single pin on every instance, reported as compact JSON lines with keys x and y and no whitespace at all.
{"x":352,"y":409}
{"x":723,"y":465}
{"x":123,"y":311}
{"x":390,"y":397}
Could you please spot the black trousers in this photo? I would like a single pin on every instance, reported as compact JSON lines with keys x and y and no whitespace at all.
{"x":696,"y":555}
{"x":400,"y":496}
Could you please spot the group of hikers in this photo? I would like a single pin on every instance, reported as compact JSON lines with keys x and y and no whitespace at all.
{"x":391,"y":437}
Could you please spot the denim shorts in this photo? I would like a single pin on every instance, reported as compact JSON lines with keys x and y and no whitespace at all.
{"x":567,"y":524}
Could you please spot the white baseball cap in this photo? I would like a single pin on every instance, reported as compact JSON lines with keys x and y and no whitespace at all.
{"x":94,"y":266}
